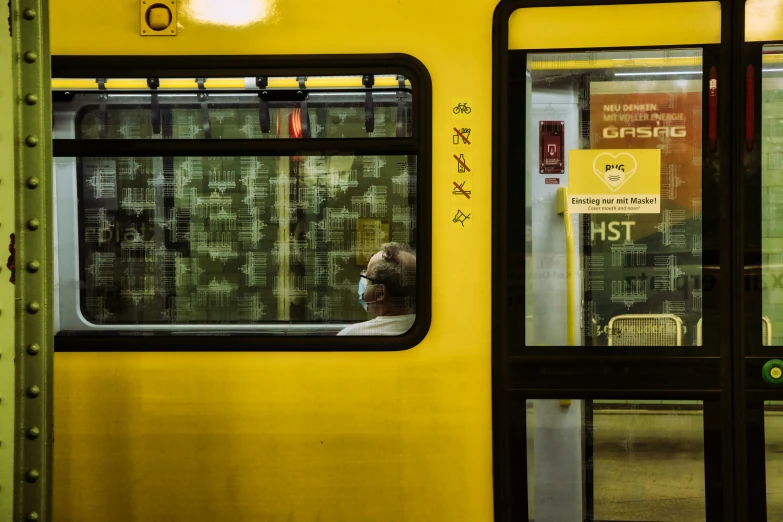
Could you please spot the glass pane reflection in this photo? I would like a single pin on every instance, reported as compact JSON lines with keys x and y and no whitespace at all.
{"x":615,"y":460}
{"x":772,"y":195}
{"x":623,"y":277}
{"x":231,"y":240}
{"x":773,"y":440}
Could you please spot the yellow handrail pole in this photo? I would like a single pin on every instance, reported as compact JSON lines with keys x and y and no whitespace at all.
{"x":562,"y":208}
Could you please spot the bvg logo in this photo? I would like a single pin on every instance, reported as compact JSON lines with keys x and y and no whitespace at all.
{"x":614,"y":169}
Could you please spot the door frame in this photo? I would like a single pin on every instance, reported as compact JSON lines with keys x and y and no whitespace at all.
{"x":518,"y":376}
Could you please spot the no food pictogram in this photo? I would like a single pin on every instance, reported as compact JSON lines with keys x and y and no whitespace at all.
{"x":464,"y":134}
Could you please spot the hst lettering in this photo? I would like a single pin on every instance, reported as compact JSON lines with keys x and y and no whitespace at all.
{"x":677,"y":131}
{"x":615,"y":232}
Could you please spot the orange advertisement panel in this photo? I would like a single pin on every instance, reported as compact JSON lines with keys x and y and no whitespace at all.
{"x":651,"y":263}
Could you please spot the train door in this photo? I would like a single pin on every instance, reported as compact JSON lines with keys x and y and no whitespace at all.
{"x":612,"y":239}
{"x":759,"y":370}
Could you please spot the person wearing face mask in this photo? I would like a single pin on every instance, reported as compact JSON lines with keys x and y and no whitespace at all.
{"x":387,"y":289}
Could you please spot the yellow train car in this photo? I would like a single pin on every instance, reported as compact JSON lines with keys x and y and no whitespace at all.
{"x":267,"y":424}
{"x":279,"y":260}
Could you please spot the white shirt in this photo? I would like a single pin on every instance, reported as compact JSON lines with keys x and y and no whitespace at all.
{"x":381,"y":325}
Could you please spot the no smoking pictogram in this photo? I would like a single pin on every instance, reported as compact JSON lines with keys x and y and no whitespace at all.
{"x":461,"y":189}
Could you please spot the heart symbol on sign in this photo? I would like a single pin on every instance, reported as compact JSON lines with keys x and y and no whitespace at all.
{"x":614,"y":169}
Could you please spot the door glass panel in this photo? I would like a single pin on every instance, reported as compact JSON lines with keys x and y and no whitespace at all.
{"x":772,"y":195}
{"x":773,"y":439}
{"x":630,"y":272}
{"x":615,"y":460}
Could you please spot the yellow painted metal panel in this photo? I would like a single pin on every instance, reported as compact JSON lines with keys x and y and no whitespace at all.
{"x":424,"y":29}
{"x":219,"y":436}
{"x":763,"y":20}
{"x":634,"y":25}
{"x":284,"y":436}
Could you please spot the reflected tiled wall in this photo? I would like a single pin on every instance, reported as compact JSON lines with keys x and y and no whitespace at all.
{"x":772,"y":202}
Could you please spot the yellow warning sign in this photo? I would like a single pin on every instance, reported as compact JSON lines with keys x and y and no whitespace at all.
{"x":606,"y":181}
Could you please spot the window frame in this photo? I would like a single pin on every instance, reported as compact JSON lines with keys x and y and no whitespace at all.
{"x":418,"y":144}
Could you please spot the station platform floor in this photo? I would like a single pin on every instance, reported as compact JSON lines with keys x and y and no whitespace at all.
{"x":648,"y":465}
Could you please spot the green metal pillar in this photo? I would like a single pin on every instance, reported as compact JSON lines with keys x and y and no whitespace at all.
{"x":34,"y":260}
{"x":7,"y":377}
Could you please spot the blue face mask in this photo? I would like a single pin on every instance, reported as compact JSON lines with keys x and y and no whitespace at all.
{"x":362,"y":288}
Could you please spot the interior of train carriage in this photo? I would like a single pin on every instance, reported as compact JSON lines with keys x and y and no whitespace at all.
{"x":625,"y":251}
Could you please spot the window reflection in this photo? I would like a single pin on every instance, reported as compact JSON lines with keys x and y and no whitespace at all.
{"x":615,"y":460}
{"x":620,"y":277}
{"x":225,"y":240}
{"x":772,"y":194}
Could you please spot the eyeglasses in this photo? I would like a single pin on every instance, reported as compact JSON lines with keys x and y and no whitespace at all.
{"x":363,"y":274}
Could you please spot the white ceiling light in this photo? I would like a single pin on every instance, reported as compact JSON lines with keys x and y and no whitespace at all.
{"x":232,"y":13}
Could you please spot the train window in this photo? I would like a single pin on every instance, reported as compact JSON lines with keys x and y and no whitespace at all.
{"x":613,"y":255}
{"x":266,"y":205}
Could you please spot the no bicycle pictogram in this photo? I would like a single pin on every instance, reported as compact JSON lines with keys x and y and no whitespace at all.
{"x":462,"y":167}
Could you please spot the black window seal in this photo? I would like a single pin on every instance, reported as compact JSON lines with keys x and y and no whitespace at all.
{"x":274,"y":65}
